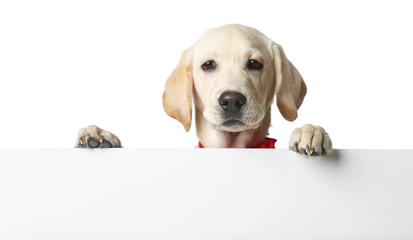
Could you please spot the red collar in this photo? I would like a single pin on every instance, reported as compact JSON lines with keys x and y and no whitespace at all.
{"x":267,"y":143}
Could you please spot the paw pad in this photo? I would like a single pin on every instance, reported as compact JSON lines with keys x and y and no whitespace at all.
{"x":95,"y":137}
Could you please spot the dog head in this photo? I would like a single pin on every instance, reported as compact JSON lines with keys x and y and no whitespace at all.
{"x":232,"y":73}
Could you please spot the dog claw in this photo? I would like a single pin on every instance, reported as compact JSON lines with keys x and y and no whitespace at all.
{"x":101,"y":139}
{"x":294,"y":148}
{"x":307,"y":150}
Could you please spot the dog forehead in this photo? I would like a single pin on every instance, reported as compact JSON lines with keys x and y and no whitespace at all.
{"x":230,"y":38}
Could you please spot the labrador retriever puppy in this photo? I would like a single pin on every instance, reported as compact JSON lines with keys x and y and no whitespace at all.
{"x":232,"y":74}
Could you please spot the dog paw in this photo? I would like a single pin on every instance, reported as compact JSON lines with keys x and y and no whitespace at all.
{"x":95,"y":137}
{"x":311,"y":141}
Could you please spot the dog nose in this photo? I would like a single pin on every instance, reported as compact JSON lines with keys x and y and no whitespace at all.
{"x":232,"y":101}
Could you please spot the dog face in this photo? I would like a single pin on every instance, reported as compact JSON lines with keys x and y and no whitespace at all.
{"x":233,"y":79}
{"x":233,"y":73}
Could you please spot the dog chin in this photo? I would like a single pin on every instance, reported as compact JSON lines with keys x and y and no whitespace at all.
{"x":234,"y":126}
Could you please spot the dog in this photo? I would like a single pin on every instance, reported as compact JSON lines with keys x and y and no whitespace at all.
{"x":231,"y":75}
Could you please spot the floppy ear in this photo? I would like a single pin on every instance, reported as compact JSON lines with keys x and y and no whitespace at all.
{"x":290,"y":88}
{"x":177,"y":97}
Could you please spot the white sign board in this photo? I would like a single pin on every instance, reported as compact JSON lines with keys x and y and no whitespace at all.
{"x":205,"y":194}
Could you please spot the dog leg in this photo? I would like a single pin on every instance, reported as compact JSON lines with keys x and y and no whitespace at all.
{"x":95,"y":137}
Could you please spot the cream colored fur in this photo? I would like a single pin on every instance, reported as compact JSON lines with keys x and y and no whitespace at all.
{"x":230,"y":47}
{"x":95,"y":137}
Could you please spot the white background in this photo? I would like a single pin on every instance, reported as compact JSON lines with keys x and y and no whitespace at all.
{"x":68,"y":64}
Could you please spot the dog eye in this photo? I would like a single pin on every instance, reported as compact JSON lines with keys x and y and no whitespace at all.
{"x":209,"y":66}
{"x":254,"y":65}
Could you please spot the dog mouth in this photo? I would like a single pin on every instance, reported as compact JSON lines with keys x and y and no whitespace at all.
{"x":249,"y":117}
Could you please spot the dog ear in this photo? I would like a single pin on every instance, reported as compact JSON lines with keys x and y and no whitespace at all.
{"x":177,"y":97}
{"x":290,"y":88}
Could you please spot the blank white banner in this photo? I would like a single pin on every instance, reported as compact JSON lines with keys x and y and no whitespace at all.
{"x":205,"y":194}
